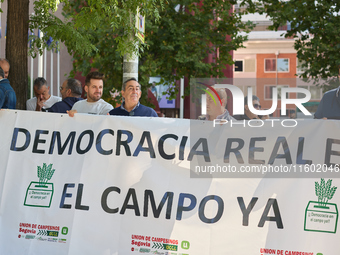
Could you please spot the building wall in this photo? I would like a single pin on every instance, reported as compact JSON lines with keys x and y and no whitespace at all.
{"x":262,"y":45}
{"x":249,"y":65}
{"x":266,"y":80}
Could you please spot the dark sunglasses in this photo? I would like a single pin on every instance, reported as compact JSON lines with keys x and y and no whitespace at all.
{"x":257,"y":106}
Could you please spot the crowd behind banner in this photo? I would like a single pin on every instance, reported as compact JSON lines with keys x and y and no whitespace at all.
{"x":71,"y":101}
{"x":121,"y":185}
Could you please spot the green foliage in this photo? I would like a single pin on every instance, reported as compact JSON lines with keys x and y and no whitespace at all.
{"x":177,"y":45}
{"x":324,"y":191}
{"x":107,"y":60}
{"x":186,"y":35}
{"x":315,"y":25}
{"x":111,"y":40}
{"x":83,"y":18}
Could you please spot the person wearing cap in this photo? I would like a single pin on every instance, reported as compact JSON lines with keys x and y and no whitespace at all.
{"x":131,"y":92}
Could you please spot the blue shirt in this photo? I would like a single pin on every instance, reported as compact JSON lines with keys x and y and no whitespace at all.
{"x":329,"y":106}
{"x":8,"y":99}
{"x":140,"y":110}
{"x":64,"y":105}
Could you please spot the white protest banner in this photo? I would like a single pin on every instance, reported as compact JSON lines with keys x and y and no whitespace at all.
{"x":130,"y":185}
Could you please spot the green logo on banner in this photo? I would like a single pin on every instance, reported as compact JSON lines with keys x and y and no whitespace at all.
{"x":64,"y":230}
{"x":321,"y":216}
{"x":144,"y":250}
{"x":185,"y":245}
{"x":163,"y":246}
{"x":170,"y":247}
{"x":39,"y":194}
{"x":52,"y":233}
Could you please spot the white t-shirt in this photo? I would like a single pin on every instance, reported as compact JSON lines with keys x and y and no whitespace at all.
{"x":31,"y":104}
{"x":99,"y":108}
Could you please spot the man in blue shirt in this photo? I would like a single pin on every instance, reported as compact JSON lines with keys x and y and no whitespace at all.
{"x":70,"y":93}
{"x":329,"y":107}
{"x":8,"y":99}
{"x":131,"y":93}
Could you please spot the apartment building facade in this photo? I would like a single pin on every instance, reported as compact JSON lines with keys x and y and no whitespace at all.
{"x":267,"y":61}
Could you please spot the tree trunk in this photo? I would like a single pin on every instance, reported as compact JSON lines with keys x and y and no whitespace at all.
{"x":17,"y":48}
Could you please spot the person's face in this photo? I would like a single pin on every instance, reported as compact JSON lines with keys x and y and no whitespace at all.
{"x":213,"y":109}
{"x":43,"y":93}
{"x":132,"y":93}
{"x":256,"y":105}
{"x":94,"y":90}
{"x":5,"y":66}
{"x":64,"y":90}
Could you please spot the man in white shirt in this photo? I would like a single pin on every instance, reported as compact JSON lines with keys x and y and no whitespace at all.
{"x":42,"y":99}
{"x":93,"y":104}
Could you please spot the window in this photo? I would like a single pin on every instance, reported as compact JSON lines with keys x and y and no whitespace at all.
{"x":282,"y":65}
{"x":245,"y":65}
{"x":315,"y":92}
{"x":244,"y":89}
{"x":262,"y":25}
{"x":270,"y":65}
{"x":289,"y":26}
{"x":238,"y":66}
{"x":268,"y":91}
{"x":299,"y":67}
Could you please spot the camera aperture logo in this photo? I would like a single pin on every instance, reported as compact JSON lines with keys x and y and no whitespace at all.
{"x":39,"y":194}
{"x":210,"y":94}
{"x":239,"y":105}
{"x":238,"y":100}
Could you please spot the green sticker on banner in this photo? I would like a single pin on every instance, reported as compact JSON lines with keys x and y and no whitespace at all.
{"x":64,"y":230}
{"x":39,"y":194}
{"x":321,"y":216}
{"x":185,"y":245}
